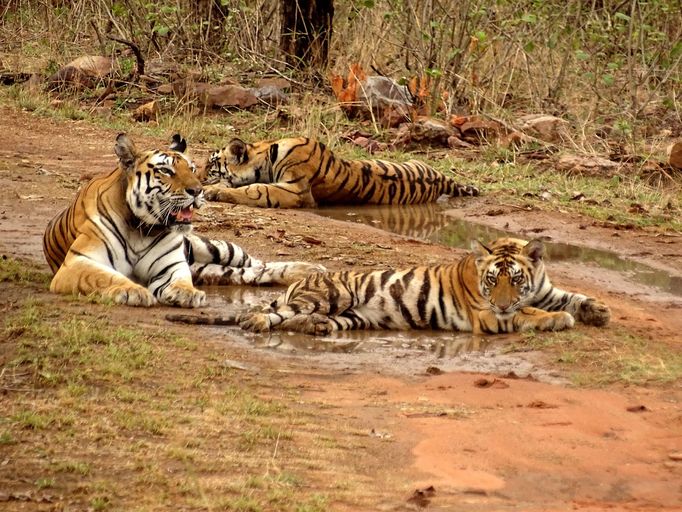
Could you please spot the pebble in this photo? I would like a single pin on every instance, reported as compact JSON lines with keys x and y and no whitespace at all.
{"x":675,"y":456}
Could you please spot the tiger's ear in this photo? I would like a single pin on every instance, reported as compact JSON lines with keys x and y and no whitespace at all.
{"x":236,"y":151}
{"x":480,"y":251}
{"x":126,"y":151}
{"x":535,"y":250}
{"x":178,"y":143}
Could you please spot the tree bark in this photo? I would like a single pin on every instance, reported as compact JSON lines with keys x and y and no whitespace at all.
{"x":209,"y":16}
{"x":306,"y":30}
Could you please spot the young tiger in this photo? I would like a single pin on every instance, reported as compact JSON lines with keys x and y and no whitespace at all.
{"x":127,"y":236}
{"x":301,"y":172}
{"x":499,"y":288}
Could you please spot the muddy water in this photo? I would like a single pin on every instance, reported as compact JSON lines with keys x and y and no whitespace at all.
{"x":430,"y":222}
{"x":403,"y":352}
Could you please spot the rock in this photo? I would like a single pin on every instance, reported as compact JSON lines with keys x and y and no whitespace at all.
{"x":228,"y":96}
{"x":212,"y":96}
{"x":677,"y":456}
{"x":379,"y":92}
{"x":477,"y":129}
{"x":81,"y":73}
{"x":455,"y":142}
{"x":545,"y":127}
{"x":165,"y":89}
{"x":148,"y":112}
{"x":270,"y":94}
{"x":675,"y":154}
{"x":586,"y":165}
{"x":427,"y":131}
{"x":93,"y":65}
{"x":277,"y":82}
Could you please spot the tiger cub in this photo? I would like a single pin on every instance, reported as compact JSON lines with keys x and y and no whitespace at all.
{"x":301,"y":172}
{"x":499,"y":288}
{"x":127,"y":236}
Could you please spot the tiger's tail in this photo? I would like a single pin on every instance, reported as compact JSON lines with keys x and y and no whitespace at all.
{"x":278,"y":272}
{"x":454,"y":189}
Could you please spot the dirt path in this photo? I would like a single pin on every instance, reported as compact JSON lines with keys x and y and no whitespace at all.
{"x":498,"y":444}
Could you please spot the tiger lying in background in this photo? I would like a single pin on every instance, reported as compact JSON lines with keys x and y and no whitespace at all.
{"x":301,"y":172}
{"x":498,"y":288}
{"x":127,"y":236}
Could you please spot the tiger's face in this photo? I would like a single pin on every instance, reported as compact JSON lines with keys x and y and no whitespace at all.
{"x":239,"y":164}
{"x":510,"y":273}
{"x":162,"y":187}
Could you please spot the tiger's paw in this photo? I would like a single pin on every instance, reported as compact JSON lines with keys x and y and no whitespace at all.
{"x":129,"y":295}
{"x":183,"y":296}
{"x":218,"y":193}
{"x":314,"y":324}
{"x":593,"y":312}
{"x":468,"y":190}
{"x":556,"y":321}
{"x":255,"y":322}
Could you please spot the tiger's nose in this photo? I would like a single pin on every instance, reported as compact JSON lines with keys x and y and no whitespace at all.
{"x":194,"y":191}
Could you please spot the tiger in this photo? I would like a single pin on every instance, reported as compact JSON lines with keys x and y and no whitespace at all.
{"x":501,"y":287}
{"x":302,"y":172}
{"x":127,"y":236}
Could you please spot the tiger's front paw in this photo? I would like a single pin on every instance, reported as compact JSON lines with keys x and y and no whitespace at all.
{"x":218,"y":193}
{"x":130,"y":295}
{"x":182,"y":295}
{"x":469,"y":190}
{"x":255,"y":322}
{"x":314,"y":323}
{"x":556,"y":321}
{"x":593,"y":312}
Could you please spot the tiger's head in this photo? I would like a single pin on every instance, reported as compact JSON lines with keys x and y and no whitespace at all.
{"x":161,"y":186}
{"x":510,"y":272}
{"x":239,"y":163}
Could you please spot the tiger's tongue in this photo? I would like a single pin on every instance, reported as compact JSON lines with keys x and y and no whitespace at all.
{"x":184,"y":215}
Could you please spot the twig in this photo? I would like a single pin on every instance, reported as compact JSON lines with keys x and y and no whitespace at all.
{"x":135,"y":49}
{"x":99,"y":37}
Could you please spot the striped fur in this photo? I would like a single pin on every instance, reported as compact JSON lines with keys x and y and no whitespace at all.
{"x":301,"y":172}
{"x":127,"y":236}
{"x":495,"y":289}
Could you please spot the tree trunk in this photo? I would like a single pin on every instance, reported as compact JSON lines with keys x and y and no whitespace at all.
{"x":209,"y":17}
{"x":306,"y":30}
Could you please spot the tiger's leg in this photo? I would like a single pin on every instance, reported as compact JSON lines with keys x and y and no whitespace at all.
{"x":166,"y":271}
{"x":216,"y":262}
{"x":585,"y":309}
{"x":81,"y":274}
{"x":524,"y":320}
{"x":303,"y":307}
{"x":270,"y":195}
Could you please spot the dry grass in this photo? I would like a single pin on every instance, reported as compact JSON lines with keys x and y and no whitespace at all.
{"x":111,"y":416}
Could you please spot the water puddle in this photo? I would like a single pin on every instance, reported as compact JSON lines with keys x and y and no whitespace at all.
{"x":430,"y":222}
{"x":412,"y":352}
{"x":440,"y":344}
{"x":405,"y":352}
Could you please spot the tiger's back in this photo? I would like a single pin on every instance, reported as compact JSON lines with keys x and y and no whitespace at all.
{"x":65,"y":227}
{"x":299,"y":172}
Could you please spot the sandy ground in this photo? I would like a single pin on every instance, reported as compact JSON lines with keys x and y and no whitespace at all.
{"x":506,"y":443}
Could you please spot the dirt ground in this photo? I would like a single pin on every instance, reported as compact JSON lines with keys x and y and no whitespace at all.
{"x":507,"y":443}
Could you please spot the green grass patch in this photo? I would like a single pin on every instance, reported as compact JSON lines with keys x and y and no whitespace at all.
{"x":18,"y":271}
{"x":599,"y":357}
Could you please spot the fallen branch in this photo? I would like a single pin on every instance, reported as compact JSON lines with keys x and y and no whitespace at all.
{"x":136,"y":51}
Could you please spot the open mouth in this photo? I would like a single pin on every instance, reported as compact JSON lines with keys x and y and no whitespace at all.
{"x":182,"y":216}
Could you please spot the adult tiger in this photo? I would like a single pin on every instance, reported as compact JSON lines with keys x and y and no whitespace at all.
{"x":498,"y":288}
{"x":127,"y":236}
{"x":301,"y":172}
